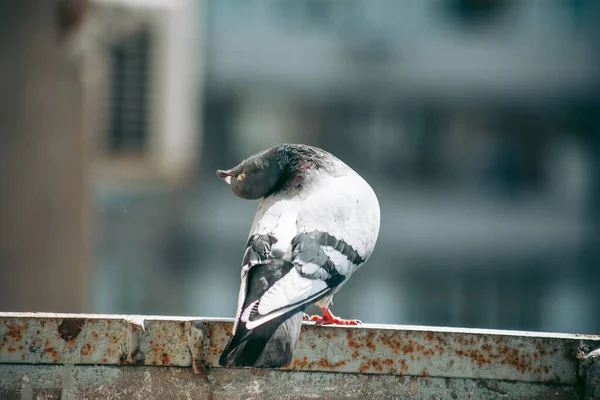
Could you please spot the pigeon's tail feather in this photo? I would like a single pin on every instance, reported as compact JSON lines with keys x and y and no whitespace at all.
{"x":269,"y":345}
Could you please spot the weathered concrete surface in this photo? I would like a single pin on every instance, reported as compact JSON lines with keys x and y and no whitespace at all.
{"x":413,"y":351}
{"x":74,"y":356}
{"x":160,"y":383}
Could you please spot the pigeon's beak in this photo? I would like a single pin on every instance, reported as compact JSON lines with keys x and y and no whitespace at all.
{"x":225,"y":175}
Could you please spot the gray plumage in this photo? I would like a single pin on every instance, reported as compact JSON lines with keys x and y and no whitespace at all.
{"x":316,"y":224}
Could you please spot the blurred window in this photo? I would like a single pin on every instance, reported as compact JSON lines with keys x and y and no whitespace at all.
{"x":129,"y":70}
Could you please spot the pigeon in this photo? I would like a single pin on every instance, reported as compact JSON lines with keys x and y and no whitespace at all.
{"x":317,"y":222}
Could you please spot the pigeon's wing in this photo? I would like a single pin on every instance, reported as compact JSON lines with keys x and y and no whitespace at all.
{"x":280,"y":287}
{"x":271,"y":344}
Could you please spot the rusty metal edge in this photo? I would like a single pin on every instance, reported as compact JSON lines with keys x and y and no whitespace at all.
{"x":48,"y":338}
{"x":140,"y":319}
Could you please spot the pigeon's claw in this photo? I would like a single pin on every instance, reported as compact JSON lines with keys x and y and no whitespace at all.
{"x":329,"y":319}
{"x":338,"y":321}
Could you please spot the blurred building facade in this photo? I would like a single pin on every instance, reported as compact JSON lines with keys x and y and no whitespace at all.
{"x":476,"y":125}
{"x":45,"y":204}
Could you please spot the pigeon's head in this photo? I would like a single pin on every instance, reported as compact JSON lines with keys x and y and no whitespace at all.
{"x":255,"y":177}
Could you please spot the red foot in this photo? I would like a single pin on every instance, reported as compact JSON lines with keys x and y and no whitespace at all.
{"x":329,"y":319}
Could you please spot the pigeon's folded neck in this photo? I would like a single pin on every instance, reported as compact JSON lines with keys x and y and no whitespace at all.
{"x":275,"y":170}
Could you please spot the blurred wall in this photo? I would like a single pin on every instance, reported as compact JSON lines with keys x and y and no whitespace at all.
{"x":44,"y":198}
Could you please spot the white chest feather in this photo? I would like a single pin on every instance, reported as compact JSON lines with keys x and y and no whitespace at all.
{"x":345,"y":207}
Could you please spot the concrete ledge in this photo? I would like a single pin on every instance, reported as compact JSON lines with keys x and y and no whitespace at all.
{"x":399,"y":358}
{"x":152,"y":383}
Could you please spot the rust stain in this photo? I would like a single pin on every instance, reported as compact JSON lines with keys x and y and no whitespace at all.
{"x":376,"y":365}
{"x":364,"y":368}
{"x":369,"y":342}
{"x":86,"y":349}
{"x":391,"y":341}
{"x":165,"y":359}
{"x":352,"y":343}
{"x":53,"y":353}
{"x":513,"y":358}
{"x":493,"y":350}
{"x":70,"y":328}
{"x":326,"y":334}
{"x":182,"y":330}
{"x":408,"y":348}
{"x":157,"y":354}
{"x":473,"y":355}
{"x":386,"y":365}
{"x":14,"y":333}
{"x":213,"y":348}
{"x":300,"y":364}
{"x":324,"y":363}
{"x":403,"y":366}
{"x":221,"y":331}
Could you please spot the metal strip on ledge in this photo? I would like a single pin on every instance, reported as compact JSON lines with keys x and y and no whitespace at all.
{"x":36,"y":338}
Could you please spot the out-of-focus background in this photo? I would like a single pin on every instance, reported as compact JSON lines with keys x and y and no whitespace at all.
{"x":476,"y":122}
